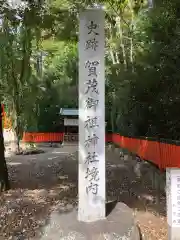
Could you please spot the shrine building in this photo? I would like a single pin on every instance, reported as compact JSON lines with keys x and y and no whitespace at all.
{"x":70,"y":123}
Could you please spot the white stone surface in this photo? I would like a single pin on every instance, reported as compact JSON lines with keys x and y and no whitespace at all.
{"x":173,"y":202}
{"x":119,"y":225}
{"x":92,"y":88}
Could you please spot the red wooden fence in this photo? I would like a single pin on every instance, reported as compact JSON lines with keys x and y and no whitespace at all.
{"x":42,"y":137}
{"x":162,"y":154}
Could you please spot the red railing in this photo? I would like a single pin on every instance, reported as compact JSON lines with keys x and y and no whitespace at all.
{"x":42,"y":137}
{"x":162,"y":154}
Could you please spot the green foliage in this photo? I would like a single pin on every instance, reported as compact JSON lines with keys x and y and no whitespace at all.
{"x":60,"y":82}
{"x":39,"y":65}
{"x":150,"y":107}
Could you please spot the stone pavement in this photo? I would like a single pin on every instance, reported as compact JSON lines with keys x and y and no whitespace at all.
{"x":119,"y":225}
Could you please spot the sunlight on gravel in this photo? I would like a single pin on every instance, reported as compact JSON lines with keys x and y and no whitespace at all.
{"x":40,"y":185}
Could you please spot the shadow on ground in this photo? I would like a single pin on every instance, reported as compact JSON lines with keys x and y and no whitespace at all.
{"x":39,"y":186}
{"x":136,"y":190}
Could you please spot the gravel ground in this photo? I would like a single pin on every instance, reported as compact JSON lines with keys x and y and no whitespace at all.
{"x":42,"y":182}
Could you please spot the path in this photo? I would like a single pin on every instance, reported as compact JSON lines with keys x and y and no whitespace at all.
{"x":46,"y":182}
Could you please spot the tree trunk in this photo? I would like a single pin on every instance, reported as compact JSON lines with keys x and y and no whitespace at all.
{"x":18,"y":145}
{"x":113,"y":112}
{"x":131,"y":38}
{"x":18,"y":138}
{"x":120,"y":33}
{"x":4,"y":181}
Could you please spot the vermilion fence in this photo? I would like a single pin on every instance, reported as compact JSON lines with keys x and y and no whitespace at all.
{"x":42,"y":137}
{"x":162,"y":154}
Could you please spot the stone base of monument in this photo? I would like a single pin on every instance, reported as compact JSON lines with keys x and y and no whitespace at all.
{"x":118,"y":225}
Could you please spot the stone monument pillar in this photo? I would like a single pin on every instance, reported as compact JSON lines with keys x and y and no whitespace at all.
{"x":91,"y":116}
